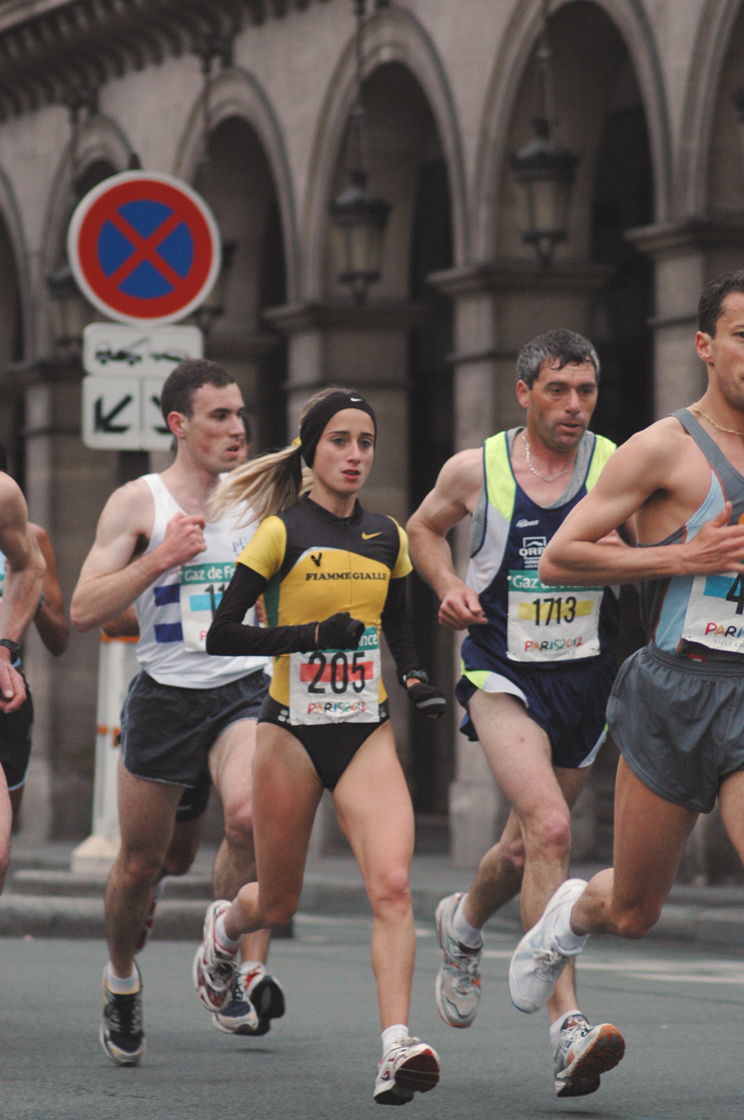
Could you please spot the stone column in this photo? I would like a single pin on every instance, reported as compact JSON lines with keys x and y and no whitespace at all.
{"x":686,"y":255}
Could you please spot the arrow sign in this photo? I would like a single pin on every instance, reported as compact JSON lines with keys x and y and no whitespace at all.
{"x":104,"y":423}
{"x":155,"y":435}
{"x":112,"y":409}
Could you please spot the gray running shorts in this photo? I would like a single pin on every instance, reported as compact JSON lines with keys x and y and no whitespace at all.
{"x":679,"y":724}
{"x":167,"y":733}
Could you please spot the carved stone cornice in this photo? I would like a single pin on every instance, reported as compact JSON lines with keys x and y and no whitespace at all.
{"x":64,"y":50}
{"x":673,"y":239}
{"x":376,"y":315}
{"x":508,"y":275}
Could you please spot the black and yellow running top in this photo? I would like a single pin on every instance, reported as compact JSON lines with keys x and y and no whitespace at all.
{"x":307,"y":564}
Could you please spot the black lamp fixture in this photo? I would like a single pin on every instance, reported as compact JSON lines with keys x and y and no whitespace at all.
{"x":544,"y":170}
{"x":359,"y":220}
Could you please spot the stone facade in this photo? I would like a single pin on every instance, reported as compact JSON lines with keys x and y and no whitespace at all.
{"x":643,"y":93}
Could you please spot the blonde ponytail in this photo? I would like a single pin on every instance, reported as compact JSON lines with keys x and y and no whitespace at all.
{"x":266,"y":485}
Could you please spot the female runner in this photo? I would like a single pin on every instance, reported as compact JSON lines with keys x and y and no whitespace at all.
{"x":325,"y":722}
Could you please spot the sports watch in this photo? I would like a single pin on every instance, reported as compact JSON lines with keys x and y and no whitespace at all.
{"x":15,"y":649}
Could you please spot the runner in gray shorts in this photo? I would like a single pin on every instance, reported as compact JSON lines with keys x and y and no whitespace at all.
{"x":676,"y":709}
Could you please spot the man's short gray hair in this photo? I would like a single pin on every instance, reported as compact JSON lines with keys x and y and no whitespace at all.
{"x":568,"y":347}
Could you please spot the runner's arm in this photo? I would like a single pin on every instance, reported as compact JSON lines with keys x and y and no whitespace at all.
{"x":110,"y":579}
{"x":229,"y":636}
{"x":24,"y":577}
{"x":50,"y":618}
{"x":453,"y":496}
{"x":637,"y":470}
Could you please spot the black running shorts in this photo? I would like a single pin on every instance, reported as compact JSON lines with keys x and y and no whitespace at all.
{"x":331,"y":746}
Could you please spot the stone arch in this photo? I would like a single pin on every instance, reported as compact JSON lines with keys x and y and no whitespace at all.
{"x":391,"y":36}
{"x":517,"y":47}
{"x":12,"y":222}
{"x":236,"y":93}
{"x":100,"y":141}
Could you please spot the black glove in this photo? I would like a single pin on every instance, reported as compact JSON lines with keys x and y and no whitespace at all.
{"x":340,"y":631}
{"x":427,"y":699}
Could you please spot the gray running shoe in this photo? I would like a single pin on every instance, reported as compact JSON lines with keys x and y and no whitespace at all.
{"x":409,"y":1066}
{"x":458,"y":984}
{"x":538,"y":961}
{"x":214,"y":968}
{"x":122,"y":1036}
{"x":584,"y":1052}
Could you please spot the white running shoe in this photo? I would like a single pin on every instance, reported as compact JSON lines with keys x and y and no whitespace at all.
{"x":583,"y":1053}
{"x":408,"y":1067}
{"x":458,"y":984}
{"x":538,"y":960}
{"x":214,"y":968}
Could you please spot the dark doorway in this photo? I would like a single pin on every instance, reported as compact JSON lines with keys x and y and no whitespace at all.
{"x":431,"y":443}
{"x":623,"y":199}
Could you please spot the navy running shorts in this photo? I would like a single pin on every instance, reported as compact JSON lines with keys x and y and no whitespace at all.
{"x":568,"y":701}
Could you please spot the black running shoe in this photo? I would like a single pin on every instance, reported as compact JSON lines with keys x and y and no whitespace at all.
{"x":122,"y":1036}
{"x":257,"y":999}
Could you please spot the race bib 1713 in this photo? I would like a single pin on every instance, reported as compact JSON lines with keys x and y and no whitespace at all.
{"x":551,"y":623}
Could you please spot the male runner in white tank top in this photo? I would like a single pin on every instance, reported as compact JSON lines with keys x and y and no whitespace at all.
{"x":156,"y":548}
{"x":675,"y":710}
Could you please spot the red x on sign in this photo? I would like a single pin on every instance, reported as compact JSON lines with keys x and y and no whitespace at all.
{"x":144,"y":248}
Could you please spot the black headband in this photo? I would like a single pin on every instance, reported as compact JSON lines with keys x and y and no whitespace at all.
{"x":314,"y":423}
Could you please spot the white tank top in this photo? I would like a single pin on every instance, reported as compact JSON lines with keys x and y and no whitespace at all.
{"x":175,"y":611}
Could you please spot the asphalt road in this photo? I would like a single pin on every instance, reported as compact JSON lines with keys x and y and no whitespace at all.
{"x":682,"y":1014}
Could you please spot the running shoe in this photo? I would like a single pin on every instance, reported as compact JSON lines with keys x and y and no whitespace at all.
{"x":257,"y":999}
{"x":146,"y":930}
{"x":409,"y":1066}
{"x":583,"y":1053}
{"x":458,"y":984}
{"x":122,"y":1036}
{"x":214,"y":968}
{"x":538,"y":961}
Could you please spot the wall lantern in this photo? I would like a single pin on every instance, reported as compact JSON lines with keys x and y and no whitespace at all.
{"x":358,"y":219}
{"x":543,"y":170}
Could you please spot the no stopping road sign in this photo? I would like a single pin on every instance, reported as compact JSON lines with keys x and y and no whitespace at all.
{"x":144,"y":248}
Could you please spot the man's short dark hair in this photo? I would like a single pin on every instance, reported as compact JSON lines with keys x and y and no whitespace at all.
{"x":183,"y":382}
{"x":568,"y":347}
{"x":711,"y":301}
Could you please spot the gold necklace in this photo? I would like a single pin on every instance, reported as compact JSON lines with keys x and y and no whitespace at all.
{"x":705,"y":416}
{"x":542,"y":476}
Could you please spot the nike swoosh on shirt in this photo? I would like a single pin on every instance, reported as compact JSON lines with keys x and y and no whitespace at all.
{"x":369,"y":536}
